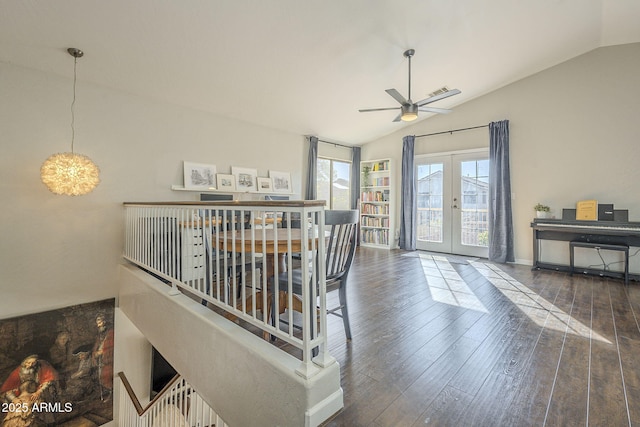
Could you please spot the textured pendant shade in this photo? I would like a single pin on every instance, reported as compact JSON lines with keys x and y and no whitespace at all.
{"x":70,"y":174}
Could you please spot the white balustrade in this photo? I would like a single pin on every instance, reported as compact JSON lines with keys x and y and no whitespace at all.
{"x":232,"y":255}
{"x":177,"y":405}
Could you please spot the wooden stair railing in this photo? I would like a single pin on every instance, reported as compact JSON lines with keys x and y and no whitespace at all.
{"x":134,"y":399}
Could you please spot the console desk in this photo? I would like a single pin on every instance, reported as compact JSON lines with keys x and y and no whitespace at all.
{"x":606,"y":233}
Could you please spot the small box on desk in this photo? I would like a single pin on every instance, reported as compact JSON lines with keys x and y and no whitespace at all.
{"x":568,"y":214}
{"x":621,"y":215}
{"x":587,"y":210}
{"x":605,"y":212}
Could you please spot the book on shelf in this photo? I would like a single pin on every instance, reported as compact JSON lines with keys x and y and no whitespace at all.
{"x":377,"y":237}
{"x":375,"y":196}
{"x":381,"y":182}
{"x":380,"y":166}
{"x":367,"y":209}
{"x":380,"y":222}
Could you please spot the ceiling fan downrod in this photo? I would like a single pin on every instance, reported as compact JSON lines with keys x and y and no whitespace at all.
{"x":408,"y":54}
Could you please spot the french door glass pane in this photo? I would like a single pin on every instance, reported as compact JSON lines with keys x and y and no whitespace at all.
{"x":475,"y":199}
{"x":430,"y":200}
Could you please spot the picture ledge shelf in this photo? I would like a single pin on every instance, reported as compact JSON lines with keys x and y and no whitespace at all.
{"x":205,"y":190}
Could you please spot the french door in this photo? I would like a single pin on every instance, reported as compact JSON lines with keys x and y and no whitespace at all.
{"x":452,"y":193}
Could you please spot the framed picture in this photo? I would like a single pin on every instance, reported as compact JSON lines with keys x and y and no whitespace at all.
{"x":264,"y":185}
{"x":226,"y":182}
{"x":245,"y":178}
{"x":60,"y":347}
{"x":199,"y":176}
{"x":281,"y":181}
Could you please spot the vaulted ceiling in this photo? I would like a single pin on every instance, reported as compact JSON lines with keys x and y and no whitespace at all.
{"x":307,"y":66}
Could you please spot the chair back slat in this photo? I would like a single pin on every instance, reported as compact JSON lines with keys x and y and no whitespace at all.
{"x":341,"y":242}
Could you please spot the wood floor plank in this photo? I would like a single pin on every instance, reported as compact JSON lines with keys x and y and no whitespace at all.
{"x":530,"y":399}
{"x":445,"y":409}
{"x":365,"y":401}
{"x":567,"y":404}
{"x":607,"y":403}
{"x":629,"y":352}
{"x":626,"y":322}
{"x":417,"y":361}
{"x":410,"y":406}
{"x":529,"y":403}
{"x":473,"y":374}
{"x":491,"y":403}
{"x":402,"y":372}
{"x":517,"y":356}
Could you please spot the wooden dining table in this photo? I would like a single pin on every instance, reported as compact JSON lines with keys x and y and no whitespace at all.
{"x":274,"y":244}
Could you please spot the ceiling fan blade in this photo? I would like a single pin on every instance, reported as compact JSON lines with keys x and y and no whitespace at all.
{"x":378,"y":109}
{"x":434,"y":110}
{"x":438,"y":97}
{"x":396,"y":95}
{"x":397,"y":119}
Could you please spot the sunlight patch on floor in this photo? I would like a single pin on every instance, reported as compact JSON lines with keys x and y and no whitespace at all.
{"x":446,"y":285}
{"x":541,"y":311}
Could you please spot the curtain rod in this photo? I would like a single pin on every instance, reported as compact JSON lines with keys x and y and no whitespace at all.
{"x":451,"y":131}
{"x":335,"y":143}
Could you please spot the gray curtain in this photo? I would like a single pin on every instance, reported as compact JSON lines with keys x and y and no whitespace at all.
{"x":355,"y":176}
{"x":408,"y":208}
{"x":312,"y":169}
{"x":500,"y":221}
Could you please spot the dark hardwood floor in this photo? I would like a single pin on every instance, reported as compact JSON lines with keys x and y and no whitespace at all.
{"x":452,"y":342}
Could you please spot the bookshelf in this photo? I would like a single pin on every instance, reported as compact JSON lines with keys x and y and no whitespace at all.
{"x":376,"y":204}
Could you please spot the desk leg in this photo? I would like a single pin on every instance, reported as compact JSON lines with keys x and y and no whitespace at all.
{"x":536,"y":249}
{"x":571,"y":258}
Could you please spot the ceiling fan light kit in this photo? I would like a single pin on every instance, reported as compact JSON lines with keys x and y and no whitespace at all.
{"x":409,"y":109}
{"x":409,"y":113}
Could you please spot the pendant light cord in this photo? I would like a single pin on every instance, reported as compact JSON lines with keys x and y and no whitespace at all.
{"x":73,"y":103}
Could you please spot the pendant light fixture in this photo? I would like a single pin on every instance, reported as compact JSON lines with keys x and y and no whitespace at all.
{"x":70,"y":174}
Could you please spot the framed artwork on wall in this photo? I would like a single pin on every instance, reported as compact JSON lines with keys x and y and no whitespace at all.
{"x":264,"y":185}
{"x":69,"y":352}
{"x":245,"y":178}
{"x":226,"y":182}
{"x":281,"y":181}
{"x":199,"y":176}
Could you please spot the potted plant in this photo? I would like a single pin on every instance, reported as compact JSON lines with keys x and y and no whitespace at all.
{"x":541,"y":210}
{"x":365,"y":175}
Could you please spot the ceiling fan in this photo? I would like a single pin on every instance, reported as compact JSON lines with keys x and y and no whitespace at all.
{"x":408,"y":108}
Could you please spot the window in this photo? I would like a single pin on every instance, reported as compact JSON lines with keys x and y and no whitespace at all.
{"x":334,"y":183}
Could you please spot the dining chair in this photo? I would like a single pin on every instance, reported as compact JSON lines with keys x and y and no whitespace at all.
{"x":340,"y":251}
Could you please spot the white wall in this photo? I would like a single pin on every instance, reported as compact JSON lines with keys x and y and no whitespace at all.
{"x":574,"y":132}
{"x":57,"y":251}
{"x":60,"y":250}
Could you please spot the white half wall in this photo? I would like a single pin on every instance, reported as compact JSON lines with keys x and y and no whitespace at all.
{"x":246,"y":380}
